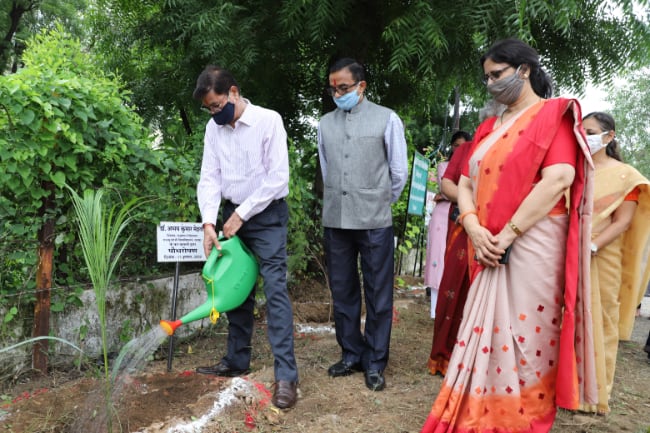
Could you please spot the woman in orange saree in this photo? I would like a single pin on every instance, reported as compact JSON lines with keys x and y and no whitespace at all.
{"x":620,"y":239}
{"x":522,"y":347}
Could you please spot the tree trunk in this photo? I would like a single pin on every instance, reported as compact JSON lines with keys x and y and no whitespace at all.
{"x":186,"y":121}
{"x":456,"y":123}
{"x":15,"y":15}
{"x":43,"y":284}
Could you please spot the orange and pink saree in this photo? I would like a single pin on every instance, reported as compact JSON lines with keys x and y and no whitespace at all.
{"x":523,"y":347}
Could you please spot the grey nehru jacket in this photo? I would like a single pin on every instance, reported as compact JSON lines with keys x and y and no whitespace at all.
{"x":357,"y":191}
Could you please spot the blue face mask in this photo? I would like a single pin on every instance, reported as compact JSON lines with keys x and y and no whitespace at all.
{"x":349,"y":100}
{"x":226,"y":114}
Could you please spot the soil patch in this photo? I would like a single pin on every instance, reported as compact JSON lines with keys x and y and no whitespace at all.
{"x":156,"y":401}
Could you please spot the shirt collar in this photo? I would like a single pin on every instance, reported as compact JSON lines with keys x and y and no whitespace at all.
{"x":360,"y":106}
{"x":247,"y":117}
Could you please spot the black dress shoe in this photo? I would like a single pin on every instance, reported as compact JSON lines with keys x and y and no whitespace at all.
{"x":375,"y":380}
{"x":284,"y":394}
{"x":222,"y":369}
{"x":344,"y":368}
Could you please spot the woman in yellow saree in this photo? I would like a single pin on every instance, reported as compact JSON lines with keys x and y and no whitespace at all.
{"x":520,"y":350}
{"x":620,"y":241}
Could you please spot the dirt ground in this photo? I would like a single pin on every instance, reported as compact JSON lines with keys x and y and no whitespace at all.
{"x":154,"y":400}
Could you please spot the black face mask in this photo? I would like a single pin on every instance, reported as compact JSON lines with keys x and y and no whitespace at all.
{"x":226,"y":114}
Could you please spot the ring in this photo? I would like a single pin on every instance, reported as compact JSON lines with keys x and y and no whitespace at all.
{"x":475,"y":257}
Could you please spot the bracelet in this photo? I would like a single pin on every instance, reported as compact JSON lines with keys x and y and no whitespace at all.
{"x":209,"y":224}
{"x":514,"y":228}
{"x":462,"y":216}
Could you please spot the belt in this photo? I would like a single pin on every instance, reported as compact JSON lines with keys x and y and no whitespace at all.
{"x":227,"y":202}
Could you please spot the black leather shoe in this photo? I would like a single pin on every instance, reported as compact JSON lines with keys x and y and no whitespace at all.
{"x":222,"y":369}
{"x":375,"y":380}
{"x":284,"y":394}
{"x":344,"y":368}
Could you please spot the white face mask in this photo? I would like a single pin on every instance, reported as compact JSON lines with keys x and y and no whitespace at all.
{"x":595,"y":142}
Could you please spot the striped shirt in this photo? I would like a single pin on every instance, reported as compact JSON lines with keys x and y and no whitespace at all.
{"x":247,"y":165}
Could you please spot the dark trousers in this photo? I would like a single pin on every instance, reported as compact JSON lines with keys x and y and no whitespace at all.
{"x":266,"y":236}
{"x":374,"y":248}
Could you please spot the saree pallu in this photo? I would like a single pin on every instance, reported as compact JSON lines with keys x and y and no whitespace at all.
{"x":451,"y":300}
{"x":436,"y":243}
{"x":619,"y":272}
{"x":523,"y":344}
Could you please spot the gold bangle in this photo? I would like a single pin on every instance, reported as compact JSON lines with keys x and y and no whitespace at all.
{"x":514,"y":228}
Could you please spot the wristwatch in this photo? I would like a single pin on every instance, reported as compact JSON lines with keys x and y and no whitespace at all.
{"x":594,"y":249}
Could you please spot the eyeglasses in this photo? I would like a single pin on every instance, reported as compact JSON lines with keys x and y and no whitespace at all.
{"x":342,"y":89}
{"x":494,"y":75}
{"x":214,"y":107}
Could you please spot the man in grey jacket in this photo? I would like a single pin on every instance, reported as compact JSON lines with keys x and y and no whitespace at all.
{"x":362,"y":153}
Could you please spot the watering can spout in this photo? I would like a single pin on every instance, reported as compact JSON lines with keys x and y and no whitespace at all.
{"x":229,"y":276}
{"x":170,"y":326}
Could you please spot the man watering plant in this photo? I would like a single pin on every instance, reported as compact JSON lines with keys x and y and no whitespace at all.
{"x":245,"y":171}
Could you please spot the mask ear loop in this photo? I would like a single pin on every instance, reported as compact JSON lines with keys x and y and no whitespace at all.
{"x":613,"y":136}
{"x":524,"y":69}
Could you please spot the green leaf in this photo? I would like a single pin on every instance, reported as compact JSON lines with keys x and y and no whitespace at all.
{"x":27,"y":117}
{"x":28,"y":178}
{"x":57,"y":307}
{"x":10,"y":314}
{"x":45,"y":166}
{"x":71,"y":162}
{"x":58,"y":178}
{"x":81,"y":114}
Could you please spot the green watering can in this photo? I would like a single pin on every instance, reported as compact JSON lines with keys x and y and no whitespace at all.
{"x":229,"y":277}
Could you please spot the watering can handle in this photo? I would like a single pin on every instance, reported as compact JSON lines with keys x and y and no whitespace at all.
{"x":220,"y":239}
{"x":218,"y":253}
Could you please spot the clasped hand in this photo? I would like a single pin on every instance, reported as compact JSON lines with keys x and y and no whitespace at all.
{"x":488,"y":248}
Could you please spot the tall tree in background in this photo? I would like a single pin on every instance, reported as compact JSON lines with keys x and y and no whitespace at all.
{"x":20,"y":19}
{"x":630,"y":103}
{"x":416,"y":51}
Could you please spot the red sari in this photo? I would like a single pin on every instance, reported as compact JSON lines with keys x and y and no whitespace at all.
{"x":523,"y":344}
{"x":455,"y":280}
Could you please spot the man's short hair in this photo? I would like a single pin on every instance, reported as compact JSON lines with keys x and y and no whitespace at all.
{"x":214,"y":78}
{"x":355,"y":68}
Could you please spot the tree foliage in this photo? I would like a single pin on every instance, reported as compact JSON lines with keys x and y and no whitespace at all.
{"x":23,"y":18}
{"x":418,"y":54}
{"x":62,"y":120}
{"x":630,"y":103}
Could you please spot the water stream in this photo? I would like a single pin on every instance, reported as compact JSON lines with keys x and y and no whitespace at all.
{"x":132,"y":359}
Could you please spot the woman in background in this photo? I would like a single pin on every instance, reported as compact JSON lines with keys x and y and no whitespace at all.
{"x":437,"y":231}
{"x":621,"y":217}
{"x":455,"y":278}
